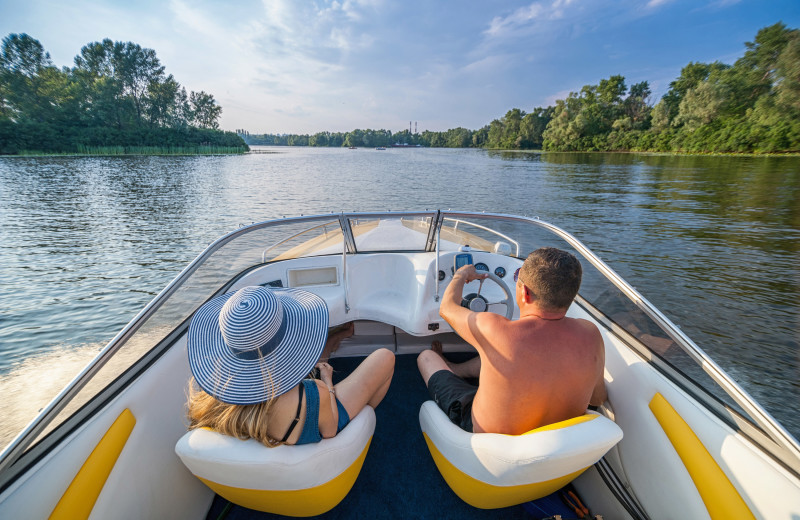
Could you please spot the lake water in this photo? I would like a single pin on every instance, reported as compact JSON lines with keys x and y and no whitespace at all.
{"x":85,"y":243}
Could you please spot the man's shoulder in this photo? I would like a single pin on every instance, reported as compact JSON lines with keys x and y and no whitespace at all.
{"x":583,"y":324}
{"x":586,"y":332}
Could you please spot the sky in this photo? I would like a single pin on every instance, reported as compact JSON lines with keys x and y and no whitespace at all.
{"x":303,"y":66}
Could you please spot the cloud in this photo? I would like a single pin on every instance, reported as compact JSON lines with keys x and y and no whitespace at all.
{"x":657,"y":3}
{"x":563,"y":94}
{"x":528,"y":17}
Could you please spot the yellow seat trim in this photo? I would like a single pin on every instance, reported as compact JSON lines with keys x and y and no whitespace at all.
{"x":295,"y":502}
{"x":488,"y":496}
{"x":81,"y":495}
{"x":564,"y":424}
{"x":718,"y":494}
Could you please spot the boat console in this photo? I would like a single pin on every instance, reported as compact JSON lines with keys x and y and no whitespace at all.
{"x":397,"y":288}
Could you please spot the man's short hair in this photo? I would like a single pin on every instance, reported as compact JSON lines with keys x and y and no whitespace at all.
{"x":553,"y":276}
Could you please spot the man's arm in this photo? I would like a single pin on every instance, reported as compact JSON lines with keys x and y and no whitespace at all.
{"x":470,"y":325}
{"x":599,"y":394}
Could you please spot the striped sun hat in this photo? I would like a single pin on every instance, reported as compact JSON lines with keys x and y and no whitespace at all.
{"x":248,"y":346}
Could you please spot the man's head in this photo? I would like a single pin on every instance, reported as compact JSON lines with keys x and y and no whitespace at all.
{"x":552,"y":276}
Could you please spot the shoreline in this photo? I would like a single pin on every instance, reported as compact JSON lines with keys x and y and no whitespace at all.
{"x":671,"y":154}
{"x":183,"y":153}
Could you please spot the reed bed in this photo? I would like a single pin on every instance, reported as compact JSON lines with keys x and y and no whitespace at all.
{"x":144,"y":150}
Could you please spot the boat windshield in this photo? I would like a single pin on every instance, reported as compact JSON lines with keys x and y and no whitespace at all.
{"x":603,"y":294}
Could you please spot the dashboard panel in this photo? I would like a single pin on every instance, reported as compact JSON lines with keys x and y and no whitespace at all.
{"x":400,"y":289}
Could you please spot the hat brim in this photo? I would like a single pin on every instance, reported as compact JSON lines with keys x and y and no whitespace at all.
{"x":235,"y":380}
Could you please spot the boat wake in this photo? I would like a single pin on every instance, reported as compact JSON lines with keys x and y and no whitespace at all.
{"x":33,"y":383}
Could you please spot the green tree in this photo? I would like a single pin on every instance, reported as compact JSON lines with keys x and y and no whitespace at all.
{"x":96,"y":71}
{"x":138,"y":70}
{"x":204,"y":109}
{"x":163,"y":99}
{"x":636,"y":106}
{"x":27,"y":75}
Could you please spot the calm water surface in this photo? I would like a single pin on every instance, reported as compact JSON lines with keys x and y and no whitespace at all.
{"x":713,"y":242}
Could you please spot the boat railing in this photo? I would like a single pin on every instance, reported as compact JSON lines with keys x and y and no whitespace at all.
{"x":490,"y":230}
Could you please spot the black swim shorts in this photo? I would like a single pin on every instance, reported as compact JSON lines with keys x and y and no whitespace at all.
{"x":454,"y":396}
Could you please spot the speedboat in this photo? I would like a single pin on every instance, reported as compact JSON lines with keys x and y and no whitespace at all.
{"x":690,"y":442}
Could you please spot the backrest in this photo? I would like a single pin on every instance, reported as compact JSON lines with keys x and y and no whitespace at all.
{"x":543,"y":454}
{"x":248,"y":463}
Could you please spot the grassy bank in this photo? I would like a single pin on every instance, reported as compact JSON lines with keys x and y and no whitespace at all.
{"x":106,"y":151}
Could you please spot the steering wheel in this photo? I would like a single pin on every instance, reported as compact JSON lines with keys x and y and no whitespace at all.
{"x":476,"y":302}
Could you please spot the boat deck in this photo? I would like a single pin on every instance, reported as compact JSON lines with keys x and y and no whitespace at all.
{"x":399,"y":478}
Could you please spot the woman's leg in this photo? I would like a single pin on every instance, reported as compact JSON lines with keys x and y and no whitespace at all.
{"x":368,"y":383}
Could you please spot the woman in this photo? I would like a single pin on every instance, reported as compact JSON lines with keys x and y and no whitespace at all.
{"x":250,"y":352}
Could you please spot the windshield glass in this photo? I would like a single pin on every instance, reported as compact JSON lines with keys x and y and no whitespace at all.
{"x":405,"y":233}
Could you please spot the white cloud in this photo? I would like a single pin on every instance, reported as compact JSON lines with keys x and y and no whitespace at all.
{"x":528,"y":17}
{"x":563,"y":94}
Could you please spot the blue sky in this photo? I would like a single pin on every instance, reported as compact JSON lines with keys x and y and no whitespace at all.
{"x":300,"y":66}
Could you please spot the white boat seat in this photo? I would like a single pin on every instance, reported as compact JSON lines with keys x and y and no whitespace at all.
{"x":304,"y":480}
{"x":490,"y":471}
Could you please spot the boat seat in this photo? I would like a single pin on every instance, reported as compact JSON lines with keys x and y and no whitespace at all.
{"x":490,"y":470}
{"x":304,"y":480}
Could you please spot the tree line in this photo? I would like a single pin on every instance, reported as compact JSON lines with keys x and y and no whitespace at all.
{"x":117,"y":94}
{"x":751,"y":106}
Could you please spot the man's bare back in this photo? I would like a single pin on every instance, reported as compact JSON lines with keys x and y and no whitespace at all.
{"x":540,"y":369}
{"x":536,"y":372}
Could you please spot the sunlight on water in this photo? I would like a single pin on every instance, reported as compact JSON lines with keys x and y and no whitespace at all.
{"x":33,"y":383}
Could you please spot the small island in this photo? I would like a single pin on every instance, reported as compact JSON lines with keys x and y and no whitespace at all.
{"x":116,"y":100}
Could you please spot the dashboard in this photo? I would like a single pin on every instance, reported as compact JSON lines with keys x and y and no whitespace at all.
{"x":401,"y":289}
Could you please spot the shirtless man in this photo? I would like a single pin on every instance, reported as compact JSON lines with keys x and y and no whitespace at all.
{"x":538,"y":370}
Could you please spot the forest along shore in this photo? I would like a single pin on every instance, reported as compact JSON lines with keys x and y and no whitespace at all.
{"x":116,"y":100}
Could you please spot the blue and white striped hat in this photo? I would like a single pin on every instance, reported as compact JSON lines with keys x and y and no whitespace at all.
{"x":248,"y":346}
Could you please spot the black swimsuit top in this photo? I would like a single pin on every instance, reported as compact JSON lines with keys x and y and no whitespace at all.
{"x":296,"y":415}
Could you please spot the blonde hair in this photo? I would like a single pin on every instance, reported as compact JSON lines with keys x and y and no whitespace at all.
{"x":244,"y":421}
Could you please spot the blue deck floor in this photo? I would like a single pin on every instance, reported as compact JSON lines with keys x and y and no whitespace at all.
{"x":399,"y":478}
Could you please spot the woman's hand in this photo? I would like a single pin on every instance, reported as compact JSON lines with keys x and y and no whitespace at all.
{"x":327,"y":428}
{"x":325,"y":373}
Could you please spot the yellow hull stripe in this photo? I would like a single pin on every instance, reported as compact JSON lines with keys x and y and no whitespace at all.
{"x":488,"y":496}
{"x":720,"y":497}
{"x":295,"y":502}
{"x":81,"y":495}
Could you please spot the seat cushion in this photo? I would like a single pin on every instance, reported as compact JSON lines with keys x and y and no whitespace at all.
{"x":490,"y":470}
{"x":300,"y":480}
